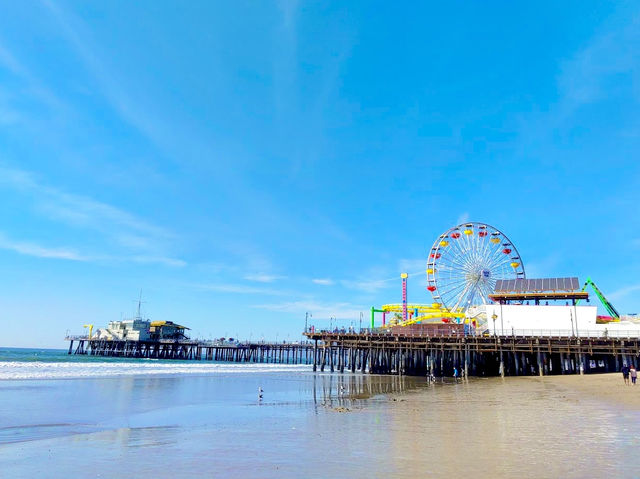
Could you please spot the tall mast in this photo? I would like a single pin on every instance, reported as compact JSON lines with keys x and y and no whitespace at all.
{"x":139,"y":303}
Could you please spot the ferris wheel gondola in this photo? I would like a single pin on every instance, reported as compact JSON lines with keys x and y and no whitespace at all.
{"x":466,"y":261}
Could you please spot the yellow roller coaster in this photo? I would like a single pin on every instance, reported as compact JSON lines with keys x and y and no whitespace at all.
{"x":421,"y":313}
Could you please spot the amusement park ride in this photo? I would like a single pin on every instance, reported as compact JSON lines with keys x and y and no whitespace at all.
{"x":462,"y":269}
{"x":463,"y":266}
{"x":613,"y":312}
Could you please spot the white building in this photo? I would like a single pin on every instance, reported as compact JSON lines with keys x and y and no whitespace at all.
{"x":128,"y":329}
{"x":547,"y":320}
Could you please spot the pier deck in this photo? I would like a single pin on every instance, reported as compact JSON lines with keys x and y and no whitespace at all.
{"x":384,"y":352}
{"x":442,"y":354}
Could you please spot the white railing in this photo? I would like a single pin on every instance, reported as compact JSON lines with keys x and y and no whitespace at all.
{"x":600,"y":334}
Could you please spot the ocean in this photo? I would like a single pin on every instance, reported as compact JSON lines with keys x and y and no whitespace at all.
{"x":63,"y":415}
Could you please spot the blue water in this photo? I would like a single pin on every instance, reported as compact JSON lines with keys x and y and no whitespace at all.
{"x":21,"y":364}
{"x":48,"y":355}
{"x":62,"y":356}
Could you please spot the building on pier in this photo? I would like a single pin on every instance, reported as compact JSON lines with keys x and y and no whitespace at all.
{"x":545,"y":307}
{"x":141,"y":330}
{"x":529,"y":307}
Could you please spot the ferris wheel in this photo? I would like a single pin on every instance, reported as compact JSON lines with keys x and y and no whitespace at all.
{"x":465,"y":262}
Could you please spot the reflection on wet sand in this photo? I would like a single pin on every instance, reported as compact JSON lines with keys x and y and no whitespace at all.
{"x":334,"y":425}
{"x":343,"y":389}
{"x":542,"y":427}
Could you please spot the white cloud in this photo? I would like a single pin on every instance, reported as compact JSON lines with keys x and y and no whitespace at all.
{"x":80,"y":210}
{"x":367,"y":285}
{"x":323,"y":281}
{"x":79,"y":37}
{"x":624,"y":292}
{"x":413,"y":266}
{"x":543,"y":267}
{"x":157,"y":260}
{"x":263,"y":278}
{"x":128,"y":99}
{"x":320,"y":311}
{"x":372,"y":283}
{"x":463,"y":218}
{"x":241,"y":289}
{"x":141,"y":242}
{"x":39,"y":251}
{"x":594,"y":74}
{"x":612,"y":52}
{"x":31,"y":81}
{"x":30,"y":248}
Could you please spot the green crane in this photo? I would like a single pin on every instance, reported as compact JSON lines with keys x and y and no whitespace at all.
{"x":613,"y":312}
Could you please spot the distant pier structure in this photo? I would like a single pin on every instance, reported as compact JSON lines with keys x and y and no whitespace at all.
{"x":286,"y":353}
{"x":519,"y":333}
{"x":142,"y":338}
{"x":405,"y":351}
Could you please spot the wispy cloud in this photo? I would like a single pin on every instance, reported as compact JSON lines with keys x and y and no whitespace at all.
{"x":32,"y":249}
{"x":139,"y":241}
{"x":412,"y":266}
{"x":463,"y":218}
{"x":80,"y":210}
{"x":323,"y":281}
{"x":131,"y":101}
{"x":77,"y":35}
{"x":542,"y":267}
{"x":621,"y":293}
{"x":240,"y":289}
{"x":157,"y":260}
{"x":320,"y":310}
{"x":30,"y":81}
{"x":263,"y":278}
{"x":612,"y":52}
{"x":373,"y":283}
{"x":591,"y":75}
{"x":367,"y":285}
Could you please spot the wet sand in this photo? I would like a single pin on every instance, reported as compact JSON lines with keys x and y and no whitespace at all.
{"x":609,"y":388}
{"x":555,"y":426}
{"x":321,"y":425}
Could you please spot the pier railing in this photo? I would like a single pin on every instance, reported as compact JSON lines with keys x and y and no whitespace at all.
{"x":567,"y":333}
{"x":458,"y":333}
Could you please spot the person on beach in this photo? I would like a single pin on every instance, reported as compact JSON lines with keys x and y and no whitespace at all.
{"x":634,"y":374}
{"x":625,"y":373}
{"x":455,"y":373}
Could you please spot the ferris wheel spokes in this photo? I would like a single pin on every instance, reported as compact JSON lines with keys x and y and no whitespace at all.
{"x":465,"y":262}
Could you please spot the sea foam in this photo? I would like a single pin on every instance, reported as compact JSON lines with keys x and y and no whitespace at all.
{"x":11,"y":370}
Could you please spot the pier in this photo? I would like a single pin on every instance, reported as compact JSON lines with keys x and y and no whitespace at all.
{"x":387,"y":352}
{"x":276,"y":353}
{"x":392,"y":352}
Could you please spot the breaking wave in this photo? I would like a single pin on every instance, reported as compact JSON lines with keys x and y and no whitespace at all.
{"x":69,"y":370}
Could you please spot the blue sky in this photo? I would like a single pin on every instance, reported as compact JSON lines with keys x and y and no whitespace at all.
{"x":246,"y":162}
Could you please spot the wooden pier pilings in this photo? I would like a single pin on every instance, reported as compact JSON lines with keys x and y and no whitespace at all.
{"x":402,"y":354}
{"x":275,"y":353}
{"x":441,"y":355}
